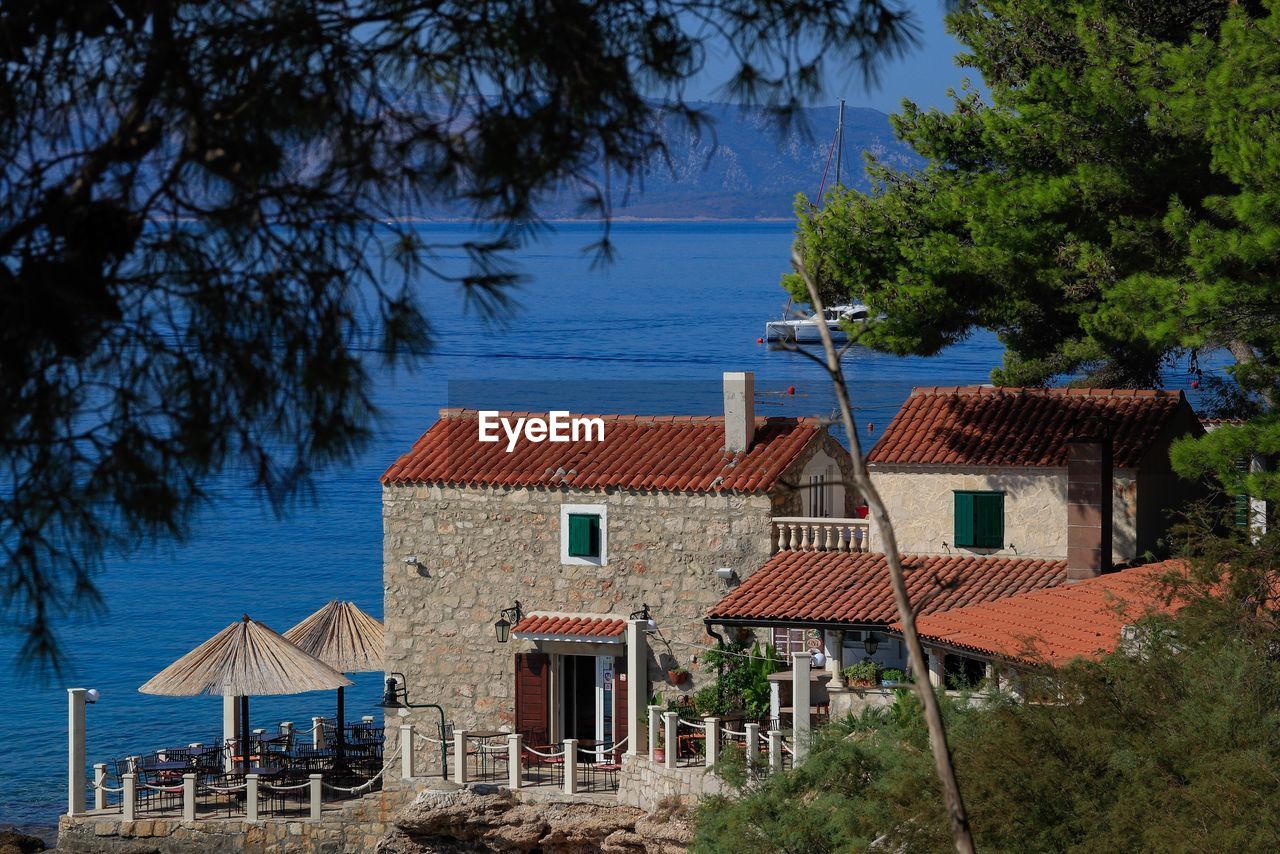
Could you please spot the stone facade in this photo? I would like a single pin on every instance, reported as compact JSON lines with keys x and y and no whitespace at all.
{"x":481,"y":548}
{"x":921,"y":503}
{"x":646,"y":784}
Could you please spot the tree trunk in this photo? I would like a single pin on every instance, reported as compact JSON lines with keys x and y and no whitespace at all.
{"x":943,"y":764}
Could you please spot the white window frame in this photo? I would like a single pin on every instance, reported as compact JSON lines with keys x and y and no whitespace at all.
{"x":600,"y":510}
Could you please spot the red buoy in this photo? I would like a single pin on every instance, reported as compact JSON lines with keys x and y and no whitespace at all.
{"x":759,"y":340}
{"x":1195,"y":383}
{"x":791,"y":389}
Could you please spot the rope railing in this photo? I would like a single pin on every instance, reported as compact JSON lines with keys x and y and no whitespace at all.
{"x":690,"y":724}
{"x":219,"y":790}
{"x":367,"y":785}
{"x":429,"y":740}
{"x":733,"y":732}
{"x":170,"y":789}
{"x":274,"y":788}
{"x":556,"y":755}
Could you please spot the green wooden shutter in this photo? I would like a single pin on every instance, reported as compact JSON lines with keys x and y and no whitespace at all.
{"x":964,"y":519}
{"x":1242,"y":500}
{"x":988,"y":520}
{"x":584,"y":535}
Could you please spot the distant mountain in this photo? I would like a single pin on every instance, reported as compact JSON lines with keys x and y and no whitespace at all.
{"x":741,"y":168}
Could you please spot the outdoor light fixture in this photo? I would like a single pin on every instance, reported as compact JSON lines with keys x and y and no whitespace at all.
{"x":92,"y":695}
{"x":819,"y":659}
{"x":725,"y":574}
{"x":650,"y":624}
{"x":509,"y":617}
{"x":411,"y":560}
{"x":396,"y":696}
{"x":871,"y":644}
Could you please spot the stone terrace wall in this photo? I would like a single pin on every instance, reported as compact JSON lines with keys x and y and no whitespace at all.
{"x":480,"y":549}
{"x":354,"y":828}
{"x":644,"y":784}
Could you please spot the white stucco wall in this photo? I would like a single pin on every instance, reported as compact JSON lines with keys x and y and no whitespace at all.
{"x":922,"y":507}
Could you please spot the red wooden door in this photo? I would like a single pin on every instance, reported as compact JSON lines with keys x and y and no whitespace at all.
{"x":621,"y":722}
{"x":533,"y":697}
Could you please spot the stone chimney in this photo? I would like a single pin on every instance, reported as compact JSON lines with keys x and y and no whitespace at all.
{"x":1089,"y":488}
{"x":739,"y":410}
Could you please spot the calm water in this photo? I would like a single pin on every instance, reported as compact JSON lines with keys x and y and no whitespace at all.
{"x":651,"y":333}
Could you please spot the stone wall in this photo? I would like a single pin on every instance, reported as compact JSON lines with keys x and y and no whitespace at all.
{"x":921,"y":505}
{"x":355,"y":826}
{"x":645,"y":784}
{"x":480,"y":549}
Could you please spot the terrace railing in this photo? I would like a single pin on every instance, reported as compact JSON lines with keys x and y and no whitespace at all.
{"x":816,"y":534}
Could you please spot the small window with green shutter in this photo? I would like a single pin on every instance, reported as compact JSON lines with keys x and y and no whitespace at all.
{"x":979,"y":520}
{"x":1242,"y":499}
{"x":584,"y":535}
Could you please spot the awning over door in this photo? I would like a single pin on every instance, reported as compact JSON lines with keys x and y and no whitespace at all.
{"x":571,"y":628}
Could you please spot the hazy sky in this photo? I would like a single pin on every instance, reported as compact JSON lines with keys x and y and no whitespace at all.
{"x":923,"y":75}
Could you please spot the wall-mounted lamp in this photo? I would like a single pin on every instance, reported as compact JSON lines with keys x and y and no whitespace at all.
{"x":509,"y":617}
{"x":871,"y":644}
{"x":92,"y":695}
{"x":650,"y":624}
{"x":819,"y":659}
{"x":726,"y":574}
{"x":411,"y":560}
{"x":396,"y":696}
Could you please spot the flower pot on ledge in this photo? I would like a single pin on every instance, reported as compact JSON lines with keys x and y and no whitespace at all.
{"x":659,"y":754}
{"x":677,"y":676}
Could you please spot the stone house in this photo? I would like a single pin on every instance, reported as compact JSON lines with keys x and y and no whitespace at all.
{"x":981,"y":470}
{"x":993,"y":493}
{"x":557,"y":544}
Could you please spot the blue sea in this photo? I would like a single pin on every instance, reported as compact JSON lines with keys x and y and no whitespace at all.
{"x":649,"y":333}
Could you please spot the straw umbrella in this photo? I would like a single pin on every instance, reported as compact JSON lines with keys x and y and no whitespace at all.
{"x":244,"y":659}
{"x":345,"y":638}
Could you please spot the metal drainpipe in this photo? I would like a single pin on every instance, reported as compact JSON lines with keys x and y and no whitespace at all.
{"x":720,"y":663}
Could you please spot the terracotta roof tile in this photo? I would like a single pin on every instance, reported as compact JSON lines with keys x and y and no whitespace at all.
{"x":987,"y":426}
{"x":638,"y":452}
{"x":843,"y":587}
{"x":571,"y":626}
{"x":1055,"y":625}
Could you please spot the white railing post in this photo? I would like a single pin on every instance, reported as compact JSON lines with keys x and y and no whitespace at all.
{"x":570,"y":766}
{"x":753,"y":745}
{"x":188,"y":797}
{"x":99,"y":786}
{"x":801,"y":724}
{"x":712,"y":728}
{"x":406,"y":751}
{"x":251,"y":798}
{"x":775,"y":751}
{"x":230,"y":732}
{"x":76,"y":782}
{"x":671,"y":731}
{"x":317,"y":733}
{"x":655,"y":726}
{"x":637,"y":677}
{"x":460,"y":756}
{"x":317,"y":792}
{"x":515,"y":760}
{"x":129,"y":806}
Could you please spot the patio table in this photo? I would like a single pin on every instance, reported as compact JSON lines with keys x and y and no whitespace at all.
{"x":488,"y":759}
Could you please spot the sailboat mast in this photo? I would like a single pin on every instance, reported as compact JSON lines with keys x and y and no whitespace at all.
{"x":839,"y":141}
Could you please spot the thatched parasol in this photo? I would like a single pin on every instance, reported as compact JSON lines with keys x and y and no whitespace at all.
{"x":244,"y":659}
{"x":346,"y":639}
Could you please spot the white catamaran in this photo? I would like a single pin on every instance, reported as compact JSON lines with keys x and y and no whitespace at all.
{"x":804,"y":330}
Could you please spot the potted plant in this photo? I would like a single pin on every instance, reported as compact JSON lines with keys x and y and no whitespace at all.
{"x":861,"y":675}
{"x":660,"y":747}
{"x":892,"y":677}
{"x":677,"y":675}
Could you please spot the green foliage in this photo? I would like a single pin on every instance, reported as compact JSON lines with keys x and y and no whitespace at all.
{"x":863,"y":671}
{"x":1173,"y":745}
{"x":892,"y":674}
{"x":742,"y":682}
{"x":199,"y":235}
{"x":1113,"y":205}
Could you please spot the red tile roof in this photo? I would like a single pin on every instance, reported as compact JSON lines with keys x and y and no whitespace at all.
{"x":638,"y":452}
{"x":986,"y":426}
{"x":567,"y":625}
{"x":847,"y":587}
{"x":1056,"y":625}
